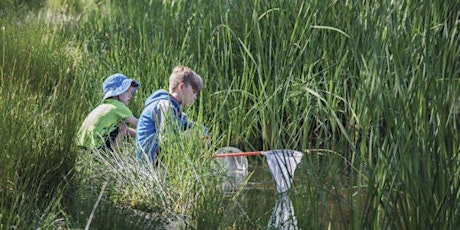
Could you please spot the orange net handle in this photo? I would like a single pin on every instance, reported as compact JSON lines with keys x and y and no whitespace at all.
{"x":257,"y":153}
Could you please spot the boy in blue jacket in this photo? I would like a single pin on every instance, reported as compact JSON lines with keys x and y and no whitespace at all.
{"x":162,"y":108}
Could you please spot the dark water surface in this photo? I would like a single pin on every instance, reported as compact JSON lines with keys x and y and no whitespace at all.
{"x":258,"y":206}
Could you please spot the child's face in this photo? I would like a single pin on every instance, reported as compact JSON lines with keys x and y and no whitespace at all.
{"x":188,"y":95}
{"x":127,"y":95}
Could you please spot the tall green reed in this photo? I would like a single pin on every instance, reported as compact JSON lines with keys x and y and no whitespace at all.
{"x":374,"y":83}
{"x":416,"y":95}
{"x":306,"y":75}
{"x":36,"y":77}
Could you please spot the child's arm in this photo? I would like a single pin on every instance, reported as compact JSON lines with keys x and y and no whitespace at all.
{"x":131,"y":132}
{"x":122,"y":132}
{"x":187,"y":124}
{"x":132,"y":121}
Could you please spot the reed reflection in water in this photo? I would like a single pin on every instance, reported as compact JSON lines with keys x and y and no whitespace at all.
{"x":282,"y":164}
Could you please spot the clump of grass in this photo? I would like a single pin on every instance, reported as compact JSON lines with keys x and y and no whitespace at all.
{"x":169,"y":191}
{"x":35,"y":74}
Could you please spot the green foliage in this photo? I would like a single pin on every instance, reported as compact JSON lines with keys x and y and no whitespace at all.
{"x":6,"y":6}
{"x":185,"y":172}
{"x":36,"y":78}
{"x":373,"y":84}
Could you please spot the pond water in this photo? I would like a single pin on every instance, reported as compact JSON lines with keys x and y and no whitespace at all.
{"x":267,"y":188}
{"x":259,"y":206}
{"x":318,"y":199}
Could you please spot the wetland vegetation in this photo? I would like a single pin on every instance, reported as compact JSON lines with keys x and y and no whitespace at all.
{"x":370,"y":89}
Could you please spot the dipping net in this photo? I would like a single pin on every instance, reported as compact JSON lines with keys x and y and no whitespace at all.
{"x":236,"y":168}
{"x":282,"y":164}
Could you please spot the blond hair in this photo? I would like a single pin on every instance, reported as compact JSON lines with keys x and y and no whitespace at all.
{"x":183,"y":74}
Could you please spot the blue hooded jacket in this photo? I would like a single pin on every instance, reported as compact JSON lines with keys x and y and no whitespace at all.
{"x":147,"y":132}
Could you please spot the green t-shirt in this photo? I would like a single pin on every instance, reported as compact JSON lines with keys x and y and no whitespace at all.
{"x":100,"y":122}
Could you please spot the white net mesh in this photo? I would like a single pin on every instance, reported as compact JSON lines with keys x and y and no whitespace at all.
{"x":236,"y":168}
{"x":283,"y":216}
{"x":282,"y":165}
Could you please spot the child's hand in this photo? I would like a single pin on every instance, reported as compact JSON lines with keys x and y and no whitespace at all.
{"x":126,"y":130}
{"x":123,"y":127}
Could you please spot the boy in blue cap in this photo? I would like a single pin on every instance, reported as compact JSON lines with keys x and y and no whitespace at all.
{"x":162,"y":108}
{"x":109,"y":122}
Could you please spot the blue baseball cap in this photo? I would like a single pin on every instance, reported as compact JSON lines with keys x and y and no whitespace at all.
{"x":117,"y":84}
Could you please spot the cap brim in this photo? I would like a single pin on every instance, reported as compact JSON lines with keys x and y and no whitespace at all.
{"x":124,"y":86}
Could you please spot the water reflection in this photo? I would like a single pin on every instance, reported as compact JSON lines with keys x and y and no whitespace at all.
{"x":258,"y":197}
{"x":283,"y":216}
{"x":282,"y":165}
